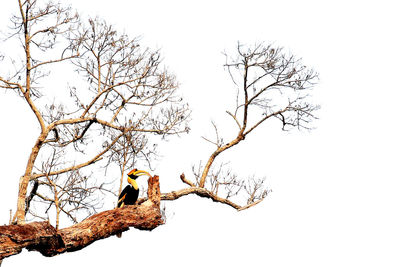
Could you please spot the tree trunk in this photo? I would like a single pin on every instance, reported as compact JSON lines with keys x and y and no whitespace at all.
{"x":24,"y":180}
{"x":43,"y":237}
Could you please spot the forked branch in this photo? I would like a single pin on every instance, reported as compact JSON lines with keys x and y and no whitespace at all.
{"x":270,"y":84}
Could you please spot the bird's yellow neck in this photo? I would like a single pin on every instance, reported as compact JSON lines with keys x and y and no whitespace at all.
{"x":133,"y":183}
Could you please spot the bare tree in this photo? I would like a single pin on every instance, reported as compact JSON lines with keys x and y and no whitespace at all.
{"x":121,"y":102}
{"x":125,"y":91}
{"x":269,"y":84}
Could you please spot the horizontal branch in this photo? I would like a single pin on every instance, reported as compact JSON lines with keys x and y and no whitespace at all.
{"x":43,"y":237}
{"x":80,"y":120}
{"x":54,"y":61}
{"x":202,"y":192}
{"x":72,"y":168}
{"x":104,"y":123}
{"x":11,"y":85}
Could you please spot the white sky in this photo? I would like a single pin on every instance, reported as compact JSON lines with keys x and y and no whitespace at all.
{"x":335,"y":199}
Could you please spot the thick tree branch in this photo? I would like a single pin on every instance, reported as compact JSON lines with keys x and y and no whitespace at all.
{"x":43,"y":237}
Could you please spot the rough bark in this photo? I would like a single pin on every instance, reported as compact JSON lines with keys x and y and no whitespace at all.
{"x":153,"y":192}
{"x":43,"y":237}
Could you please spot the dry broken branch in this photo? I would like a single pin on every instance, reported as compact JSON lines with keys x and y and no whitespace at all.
{"x":43,"y":237}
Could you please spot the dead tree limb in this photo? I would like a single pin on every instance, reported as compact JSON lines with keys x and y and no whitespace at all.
{"x":43,"y":237}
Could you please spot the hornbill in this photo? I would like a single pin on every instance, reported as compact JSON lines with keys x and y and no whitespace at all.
{"x":130,"y":193}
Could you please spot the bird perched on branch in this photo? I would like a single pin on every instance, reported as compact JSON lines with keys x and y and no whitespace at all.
{"x":130,"y":193}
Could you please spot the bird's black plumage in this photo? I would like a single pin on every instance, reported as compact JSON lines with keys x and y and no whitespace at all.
{"x":128,"y":196}
{"x":130,"y":193}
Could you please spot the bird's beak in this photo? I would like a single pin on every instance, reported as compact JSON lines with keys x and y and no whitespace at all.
{"x":140,"y":172}
{"x":133,"y":173}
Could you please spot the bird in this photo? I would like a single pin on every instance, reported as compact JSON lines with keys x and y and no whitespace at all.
{"x":130,"y":193}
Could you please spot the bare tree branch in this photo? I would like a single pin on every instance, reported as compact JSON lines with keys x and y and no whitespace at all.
{"x":271,"y":84}
{"x":118,"y":103}
{"x":125,"y":91}
{"x":42,"y":237}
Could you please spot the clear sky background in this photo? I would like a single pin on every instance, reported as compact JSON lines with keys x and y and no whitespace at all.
{"x":335,"y":199}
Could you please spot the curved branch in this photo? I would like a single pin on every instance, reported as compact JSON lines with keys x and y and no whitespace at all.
{"x":201,"y":192}
{"x":279,"y":112}
{"x":186,"y":181}
{"x":220,"y":149}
